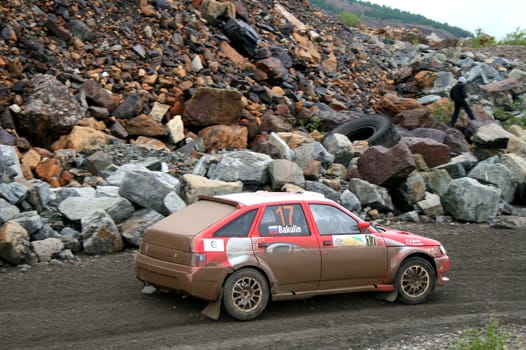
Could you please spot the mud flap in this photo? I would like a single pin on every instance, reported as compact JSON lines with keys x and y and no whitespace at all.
{"x":387,"y":296}
{"x":213,"y":309}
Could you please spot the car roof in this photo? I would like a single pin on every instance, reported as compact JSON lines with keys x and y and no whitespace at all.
{"x":263,"y":197}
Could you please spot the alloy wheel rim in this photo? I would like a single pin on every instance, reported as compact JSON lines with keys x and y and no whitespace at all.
{"x":415,"y":281}
{"x":247,"y":294}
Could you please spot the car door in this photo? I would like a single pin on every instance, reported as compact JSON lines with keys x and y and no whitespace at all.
{"x":349,"y":257}
{"x":286,"y":248}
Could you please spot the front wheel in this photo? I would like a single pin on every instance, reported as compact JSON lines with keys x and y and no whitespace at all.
{"x":415,"y":280}
{"x":246,"y":294}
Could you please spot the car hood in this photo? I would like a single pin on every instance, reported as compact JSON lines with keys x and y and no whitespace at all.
{"x":395,"y":237}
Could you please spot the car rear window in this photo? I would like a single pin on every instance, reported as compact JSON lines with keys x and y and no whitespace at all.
{"x":239,"y":227}
{"x":196,"y":217}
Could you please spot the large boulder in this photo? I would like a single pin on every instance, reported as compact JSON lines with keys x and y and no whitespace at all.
{"x":434,"y":153}
{"x":100,"y":234}
{"x":195,"y":185}
{"x":409,"y":192}
{"x":133,"y":228}
{"x":245,"y":166}
{"x":143,"y":125}
{"x":431,"y":205}
{"x":209,"y":106}
{"x":436,"y":180}
{"x":50,"y":111}
{"x":371,"y":195}
{"x":82,"y":138}
{"x":340,"y":146}
{"x":396,"y":164}
{"x":30,"y":220}
{"x":222,"y":137}
{"x":9,"y":163}
{"x":456,"y":141}
{"x":7,"y":211}
{"x":93,"y":94}
{"x":517,"y":166}
{"x":392,"y":104}
{"x":283,"y":171}
{"x":14,"y":243}
{"x":75,"y":208}
{"x":45,"y":249}
{"x":466,"y":199}
{"x":498,"y":175}
{"x":154,"y":186}
{"x":309,"y":151}
{"x":491,"y":136}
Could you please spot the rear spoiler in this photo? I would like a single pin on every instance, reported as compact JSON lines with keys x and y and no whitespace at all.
{"x":220,"y":200}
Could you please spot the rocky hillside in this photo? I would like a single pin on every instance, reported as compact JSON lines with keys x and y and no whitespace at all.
{"x":163,"y":51}
{"x":374,"y":15}
{"x":285,"y":62}
{"x":115,"y":114}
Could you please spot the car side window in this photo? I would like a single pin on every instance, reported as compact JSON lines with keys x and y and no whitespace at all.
{"x":332,"y":221}
{"x":239,"y":227}
{"x":283,"y":220}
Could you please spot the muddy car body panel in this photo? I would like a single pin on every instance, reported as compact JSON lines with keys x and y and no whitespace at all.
{"x":248,"y":248}
{"x":402,"y":244}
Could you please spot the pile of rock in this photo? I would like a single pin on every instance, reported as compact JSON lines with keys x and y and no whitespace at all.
{"x":38,"y":221}
{"x":112,"y":119}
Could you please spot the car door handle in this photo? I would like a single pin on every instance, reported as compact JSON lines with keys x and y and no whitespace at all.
{"x":263,"y":245}
{"x":327,"y":243}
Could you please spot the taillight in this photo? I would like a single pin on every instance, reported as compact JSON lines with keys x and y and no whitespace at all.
{"x":198,"y":260}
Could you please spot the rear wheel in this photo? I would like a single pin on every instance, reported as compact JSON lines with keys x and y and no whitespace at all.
{"x":415,"y":280}
{"x":246,"y":294}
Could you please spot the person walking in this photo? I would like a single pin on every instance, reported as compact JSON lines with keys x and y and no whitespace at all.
{"x":458,"y":94}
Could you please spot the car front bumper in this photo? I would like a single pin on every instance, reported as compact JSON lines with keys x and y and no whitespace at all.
{"x":443,"y":264}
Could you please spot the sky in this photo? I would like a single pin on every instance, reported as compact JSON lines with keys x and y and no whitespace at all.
{"x":496,"y":18}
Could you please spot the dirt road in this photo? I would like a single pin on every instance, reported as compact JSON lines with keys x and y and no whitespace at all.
{"x":97,"y":304}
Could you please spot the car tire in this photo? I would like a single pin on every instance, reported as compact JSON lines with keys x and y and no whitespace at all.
{"x":246,"y":294}
{"x":375,"y":129}
{"x":415,"y":280}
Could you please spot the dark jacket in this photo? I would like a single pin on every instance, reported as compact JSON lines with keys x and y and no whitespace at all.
{"x":458,"y":93}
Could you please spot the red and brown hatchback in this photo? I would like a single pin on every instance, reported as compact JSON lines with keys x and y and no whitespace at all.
{"x":242,"y":250}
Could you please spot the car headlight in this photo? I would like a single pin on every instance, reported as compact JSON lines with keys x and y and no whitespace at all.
{"x":443,"y":250}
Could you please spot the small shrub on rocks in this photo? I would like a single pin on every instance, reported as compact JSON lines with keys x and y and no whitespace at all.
{"x":494,"y":337}
{"x":349,"y":19}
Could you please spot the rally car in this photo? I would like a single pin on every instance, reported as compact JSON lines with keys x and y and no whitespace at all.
{"x":243,"y":250}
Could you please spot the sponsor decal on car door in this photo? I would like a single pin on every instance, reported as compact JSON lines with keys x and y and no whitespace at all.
{"x":350,"y":258}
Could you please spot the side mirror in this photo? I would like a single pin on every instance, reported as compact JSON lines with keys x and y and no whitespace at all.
{"x":363,"y":225}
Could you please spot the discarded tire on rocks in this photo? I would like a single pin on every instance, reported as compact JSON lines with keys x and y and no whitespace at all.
{"x":375,"y":129}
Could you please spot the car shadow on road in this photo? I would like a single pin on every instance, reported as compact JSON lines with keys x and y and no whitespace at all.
{"x":191,"y":308}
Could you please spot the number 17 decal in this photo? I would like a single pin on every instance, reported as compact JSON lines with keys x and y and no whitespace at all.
{"x":290,"y":210}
